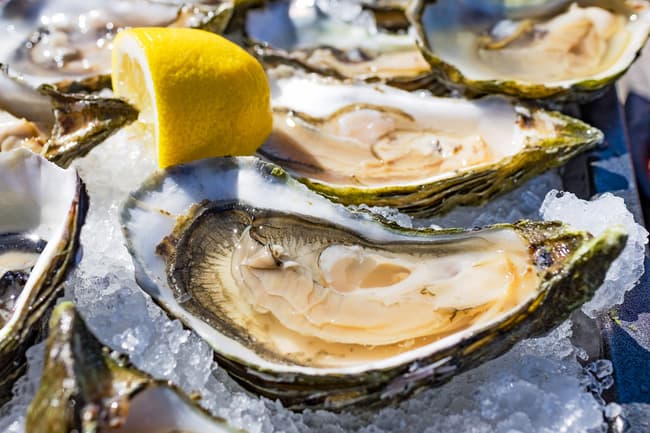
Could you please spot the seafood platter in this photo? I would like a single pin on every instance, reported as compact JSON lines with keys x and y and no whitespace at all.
{"x":405,"y":252}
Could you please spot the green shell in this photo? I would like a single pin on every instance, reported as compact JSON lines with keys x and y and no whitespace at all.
{"x":580,"y":91}
{"x":88,"y":389}
{"x":566,"y":284}
{"x":27,"y":326}
{"x":473,"y":186}
{"x":81,"y":122}
{"x":389,"y":15}
{"x":571,"y":265}
{"x":74,"y":121}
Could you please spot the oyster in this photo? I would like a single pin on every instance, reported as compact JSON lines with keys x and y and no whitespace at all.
{"x":381,"y":146}
{"x":336,"y":38}
{"x":564,"y":51}
{"x":72,"y":46}
{"x":85,"y":388}
{"x":43,"y":208}
{"x":60,"y":126}
{"x":305,"y":301}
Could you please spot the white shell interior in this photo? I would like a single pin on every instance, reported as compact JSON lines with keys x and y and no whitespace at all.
{"x":86,"y":21}
{"x":151,"y":213}
{"x":161,"y":410}
{"x":451,"y":31}
{"x":493,"y":118}
{"x":36,"y":197}
{"x":297,"y":24}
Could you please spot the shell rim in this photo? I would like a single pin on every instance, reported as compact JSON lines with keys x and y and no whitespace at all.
{"x":564,"y":89}
{"x":146,"y":281}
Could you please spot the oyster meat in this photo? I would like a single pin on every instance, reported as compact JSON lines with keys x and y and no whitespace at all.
{"x":86,"y":388}
{"x":72,"y":44}
{"x":338,"y":39}
{"x":305,"y":301}
{"x":43,"y":208}
{"x":359,"y":143}
{"x":567,"y":50}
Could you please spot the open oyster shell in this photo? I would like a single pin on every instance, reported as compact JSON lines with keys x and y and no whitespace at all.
{"x":560,"y":50}
{"x":87,"y":388}
{"x":342,"y":39}
{"x":70,"y":46}
{"x":43,"y":208}
{"x":60,"y":126}
{"x":305,"y":301}
{"x":358,"y":143}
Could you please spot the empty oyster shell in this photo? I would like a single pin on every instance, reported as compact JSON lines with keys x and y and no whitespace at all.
{"x":305,"y":301}
{"x":564,"y":51}
{"x":43,"y":208}
{"x":358,"y":143}
{"x":86,"y":388}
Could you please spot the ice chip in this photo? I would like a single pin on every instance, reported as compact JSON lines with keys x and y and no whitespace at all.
{"x":595,"y":216}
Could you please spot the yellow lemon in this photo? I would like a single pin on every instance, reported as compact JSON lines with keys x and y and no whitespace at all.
{"x":199,"y":95}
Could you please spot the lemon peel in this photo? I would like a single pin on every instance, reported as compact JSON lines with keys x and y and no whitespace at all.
{"x":199,"y":95}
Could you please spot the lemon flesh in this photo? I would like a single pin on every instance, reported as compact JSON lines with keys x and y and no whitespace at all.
{"x":199,"y":95}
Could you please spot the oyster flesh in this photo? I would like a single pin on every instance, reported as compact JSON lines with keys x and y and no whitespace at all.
{"x":564,"y":51}
{"x":71,"y":47}
{"x":86,"y":388}
{"x":338,"y":39}
{"x":359,"y":143}
{"x":305,"y":301}
{"x":43,"y":208}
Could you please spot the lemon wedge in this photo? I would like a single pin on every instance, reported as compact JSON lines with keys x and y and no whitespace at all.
{"x":199,"y":95}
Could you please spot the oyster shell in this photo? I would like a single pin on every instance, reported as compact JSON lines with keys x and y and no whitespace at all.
{"x":72,"y":44}
{"x":337,"y":39}
{"x":305,"y":301}
{"x":60,"y":126}
{"x":381,"y":146}
{"x":566,"y":51}
{"x":388,"y":14}
{"x":85,"y":388}
{"x":43,"y":208}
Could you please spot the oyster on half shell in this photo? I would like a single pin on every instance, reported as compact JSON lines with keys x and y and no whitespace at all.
{"x":305,"y":301}
{"x":70,"y":46}
{"x":42,"y":208}
{"x":87,"y":388}
{"x":338,"y":38}
{"x":561,"y":50}
{"x":360,"y":143}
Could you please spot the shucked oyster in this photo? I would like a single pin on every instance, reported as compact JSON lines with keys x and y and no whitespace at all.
{"x":43,"y":208}
{"x":336,"y":38}
{"x":567,"y":50}
{"x":381,"y":146}
{"x":72,"y":44}
{"x":304,"y":301}
{"x":78,"y":44}
{"x":85,"y":388}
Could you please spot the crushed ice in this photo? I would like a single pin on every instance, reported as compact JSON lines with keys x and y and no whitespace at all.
{"x":595,"y":216}
{"x":538,"y":386}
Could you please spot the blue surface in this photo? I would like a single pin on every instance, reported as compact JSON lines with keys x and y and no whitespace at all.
{"x":626,"y":329}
